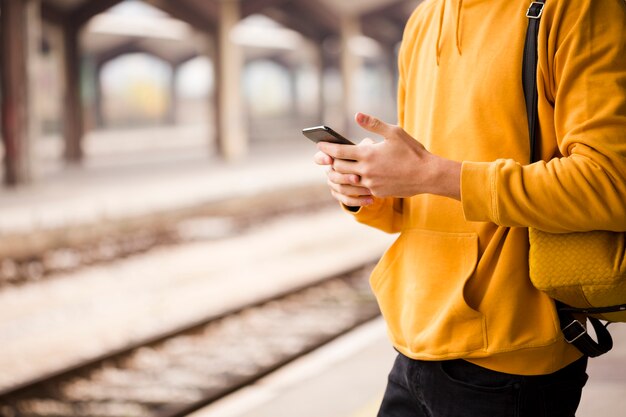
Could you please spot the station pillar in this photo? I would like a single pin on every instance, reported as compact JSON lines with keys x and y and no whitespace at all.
{"x":98,"y":100}
{"x":350,"y":64}
{"x":73,"y":127}
{"x":15,"y":55}
{"x":231,"y":129}
{"x":171,"y":113}
{"x":34,"y":23}
{"x":319,"y":59}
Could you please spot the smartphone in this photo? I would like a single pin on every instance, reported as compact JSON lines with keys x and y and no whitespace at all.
{"x":325,"y":134}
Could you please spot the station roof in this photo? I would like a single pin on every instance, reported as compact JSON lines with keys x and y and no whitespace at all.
{"x":312,"y":18}
{"x":170,"y":35}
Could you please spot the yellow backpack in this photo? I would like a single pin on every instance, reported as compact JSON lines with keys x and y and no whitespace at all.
{"x":584,"y":272}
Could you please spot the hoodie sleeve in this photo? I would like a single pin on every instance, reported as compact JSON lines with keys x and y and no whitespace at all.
{"x":583,"y":80}
{"x":384,"y":214}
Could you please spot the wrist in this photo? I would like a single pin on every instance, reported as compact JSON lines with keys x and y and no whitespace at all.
{"x":447,"y":178}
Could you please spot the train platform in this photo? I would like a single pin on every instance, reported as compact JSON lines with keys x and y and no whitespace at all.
{"x":67,"y":318}
{"x":113,"y":184}
{"x":71,"y":315}
{"x":347,"y":378}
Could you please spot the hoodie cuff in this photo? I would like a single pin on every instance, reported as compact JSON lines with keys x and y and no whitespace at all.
{"x":350,"y":209}
{"x":365,"y":213}
{"x":478,"y":192}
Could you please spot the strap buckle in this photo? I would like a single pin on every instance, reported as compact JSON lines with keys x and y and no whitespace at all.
{"x":574,"y":333}
{"x":535,"y":10}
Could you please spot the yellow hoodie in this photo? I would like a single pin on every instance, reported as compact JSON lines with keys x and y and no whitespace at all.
{"x":455,"y":283}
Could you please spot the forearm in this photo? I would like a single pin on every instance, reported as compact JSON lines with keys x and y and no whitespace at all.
{"x":565,"y":195}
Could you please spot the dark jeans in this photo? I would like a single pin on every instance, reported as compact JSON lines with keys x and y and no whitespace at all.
{"x":458,"y":388}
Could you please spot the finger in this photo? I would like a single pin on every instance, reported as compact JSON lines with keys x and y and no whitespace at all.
{"x":339,"y":178}
{"x":346,"y":167}
{"x":367,"y":141}
{"x":351,"y":201}
{"x":337,"y":151}
{"x":375,"y":125}
{"x":321,"y":158}
{"x":349,"y":190}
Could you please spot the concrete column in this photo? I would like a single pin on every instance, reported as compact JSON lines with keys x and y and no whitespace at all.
{"x":89,"y":92}
{"x":232,"y":140}
{"x":350,"y":64}
{"x":73,"y":126}
{"x":208,"y":46}
{"x":98,"y":98}
{"x":33,"y":64}
{"x":293,"y":91}
{"x":14,"y":51}
{"x":391,"y":65}
{"x":172,"y":104}
{"x":319,"y":61}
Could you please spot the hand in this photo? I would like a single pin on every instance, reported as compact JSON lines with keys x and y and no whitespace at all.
{"x":345,"y":188}
{"x":399,"y":166}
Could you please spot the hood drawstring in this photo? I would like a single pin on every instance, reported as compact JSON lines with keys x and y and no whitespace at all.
{"x":459,"y":10}
{"x":442,"y":13}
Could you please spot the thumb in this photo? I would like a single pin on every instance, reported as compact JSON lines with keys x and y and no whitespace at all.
{"x":374,"y":125}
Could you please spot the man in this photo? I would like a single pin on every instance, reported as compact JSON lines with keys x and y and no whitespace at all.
{"x":474,"y":337}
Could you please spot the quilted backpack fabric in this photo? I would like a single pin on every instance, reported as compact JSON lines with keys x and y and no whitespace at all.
{"x":582,"y":270}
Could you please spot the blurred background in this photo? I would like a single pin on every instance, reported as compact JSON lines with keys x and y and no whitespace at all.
{"x":165,"y":238}
{"x":159,"y":202}
{"x":81,"y":77}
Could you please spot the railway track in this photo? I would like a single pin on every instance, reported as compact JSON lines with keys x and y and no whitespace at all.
{"x":183,"y":370}
{"x":44,"y":253}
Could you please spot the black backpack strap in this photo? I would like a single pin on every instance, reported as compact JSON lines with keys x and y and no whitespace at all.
{"x":529,"y":73}
{"x":574,"y":331}
{"x":596,"y":310}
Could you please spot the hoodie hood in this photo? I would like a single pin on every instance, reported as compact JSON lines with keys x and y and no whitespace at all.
{"x":450,"y":6}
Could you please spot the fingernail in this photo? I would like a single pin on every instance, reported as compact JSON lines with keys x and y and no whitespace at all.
{"x":361,"y":118}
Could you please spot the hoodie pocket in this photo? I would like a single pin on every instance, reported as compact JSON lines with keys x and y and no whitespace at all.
{"x":420,"y":286}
